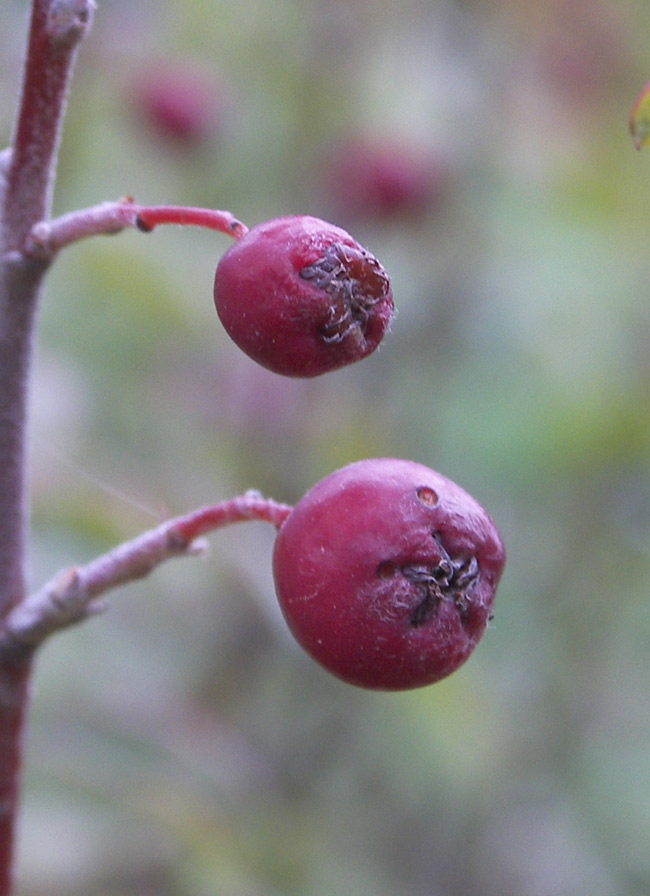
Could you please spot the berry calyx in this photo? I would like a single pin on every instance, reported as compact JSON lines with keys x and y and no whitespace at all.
{"x":302,"y":297}
{"x":386,"y":573}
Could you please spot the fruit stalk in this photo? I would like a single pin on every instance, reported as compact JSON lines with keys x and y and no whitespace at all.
{"x":47,"y":238}
{"x":72,"y":595}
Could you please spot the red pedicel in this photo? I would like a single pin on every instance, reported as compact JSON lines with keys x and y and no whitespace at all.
{"x":302,"y":297}
{"x":386,"y":573}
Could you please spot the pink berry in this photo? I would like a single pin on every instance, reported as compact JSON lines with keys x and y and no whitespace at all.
{"x":386,"y":573}
{"x":386,"y":179}
{"x":180,"y":104}
{"x":302,"y":297}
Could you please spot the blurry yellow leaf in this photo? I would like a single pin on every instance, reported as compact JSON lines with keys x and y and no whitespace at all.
{"x":640,"y":119}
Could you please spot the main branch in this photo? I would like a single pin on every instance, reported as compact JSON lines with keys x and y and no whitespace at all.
{"x":56,"y":30}
{"x":28,"y":170}
{"x":27,"y":173}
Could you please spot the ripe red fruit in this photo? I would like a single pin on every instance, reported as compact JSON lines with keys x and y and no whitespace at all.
{"x":302,"y":297}
{"x":180,"y":103}
{"x":386,"y":573}
{"x":386,"y":179}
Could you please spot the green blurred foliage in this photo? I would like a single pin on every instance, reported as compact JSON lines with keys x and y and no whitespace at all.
{"x":182,"y":744}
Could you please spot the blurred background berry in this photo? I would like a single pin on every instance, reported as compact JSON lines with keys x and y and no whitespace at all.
{"x":178,"y":103}
{"x":369,"y":178}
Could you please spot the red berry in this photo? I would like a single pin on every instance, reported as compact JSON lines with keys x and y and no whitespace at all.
{"x":386,"y":573}
{"x":181,"y":104}
{"x":386,"y":179}
{"x":302,"y":297}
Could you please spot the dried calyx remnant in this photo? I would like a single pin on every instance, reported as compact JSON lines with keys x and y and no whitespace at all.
{"x":356,"y":283}
{"x":448,"y":579}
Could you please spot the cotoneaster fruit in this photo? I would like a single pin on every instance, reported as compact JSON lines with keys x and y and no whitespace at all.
{"x":180,"y":104}
{"x":386,"y":573}
{"x":372,"y":179}
{"x":302,"y":297}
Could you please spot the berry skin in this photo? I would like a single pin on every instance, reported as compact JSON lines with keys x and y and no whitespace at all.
{"x":386,"y":573}
{"x":302,"y":297}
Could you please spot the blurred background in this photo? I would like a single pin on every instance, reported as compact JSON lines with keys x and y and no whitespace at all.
{"x":182,"y":744}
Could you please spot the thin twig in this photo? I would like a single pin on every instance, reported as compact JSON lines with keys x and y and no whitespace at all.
{"x":72,"y":594}
{"x":46,"y":238}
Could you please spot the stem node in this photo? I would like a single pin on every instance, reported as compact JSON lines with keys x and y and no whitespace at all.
{"x":68,"y":22}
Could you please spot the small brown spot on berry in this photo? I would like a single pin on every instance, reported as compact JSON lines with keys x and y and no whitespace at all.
{"x":427,"y":496}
